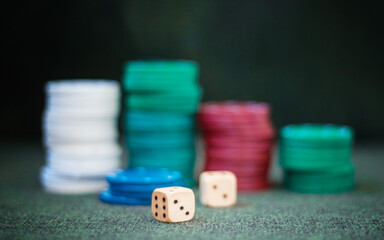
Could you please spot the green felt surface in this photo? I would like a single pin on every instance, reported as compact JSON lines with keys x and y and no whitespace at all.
{"x":29,"y":213}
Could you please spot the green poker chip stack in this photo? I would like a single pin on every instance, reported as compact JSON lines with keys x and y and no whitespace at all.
{"x":316,"y":158}
{"x":162,"y":86}
{"x":161,"y":102}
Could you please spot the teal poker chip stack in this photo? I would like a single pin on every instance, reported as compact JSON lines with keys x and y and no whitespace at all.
{"x":161,"y":102}
{"x":162,"y":86}
{"x":316,"y":158}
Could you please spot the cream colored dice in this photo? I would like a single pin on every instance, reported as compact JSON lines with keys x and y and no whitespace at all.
{"x":218,"y":188}
{"x":173,"y":204}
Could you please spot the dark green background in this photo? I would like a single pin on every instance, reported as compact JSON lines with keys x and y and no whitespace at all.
{"x":313,"y":60}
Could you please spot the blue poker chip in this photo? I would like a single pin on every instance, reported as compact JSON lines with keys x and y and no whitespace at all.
{"x":107,"y":197}
{"x":144,"y":176}
{"x":131,"y":194}
{"x":140,"y":190}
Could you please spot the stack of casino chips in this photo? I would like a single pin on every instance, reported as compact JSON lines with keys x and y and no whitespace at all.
{"x":317,"y":158}
{"x":80,"y":135}
{"x":163,"y":97}
{"x":135,"y":186}
{"x":238,"y":137}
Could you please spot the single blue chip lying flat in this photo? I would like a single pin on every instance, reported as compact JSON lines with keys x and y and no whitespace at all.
{"x":134,"y":186}
{"x":144,"y":176}
{"x":142,"y":188}
{"x":107,"y":197}
{"x":131,"y":194}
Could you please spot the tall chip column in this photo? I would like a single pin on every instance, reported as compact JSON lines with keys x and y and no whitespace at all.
{"x":238,"y":137}
{"x":162,"y":100}
{"x":80,"y":135}
{"x":316,"y":158}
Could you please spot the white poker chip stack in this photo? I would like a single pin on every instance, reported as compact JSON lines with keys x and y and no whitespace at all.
{"x":80,"y":135}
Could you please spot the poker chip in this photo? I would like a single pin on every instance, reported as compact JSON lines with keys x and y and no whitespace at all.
{"x":158,"y":154}
{"x":143,"y":121}
{"x":129,"y":193}
{"x":165,"y":163}
{"x":240,"y":172}
{"x":162,"y":100}
{"x":90,"y":150}
{"x":68,"y":134}
{"x":160,"y":138}
{"x":130,"y":189}
{"x":80,"y":135}
{"x":144,"y":176}
{"x":238,"y":137}
{"x":184,"y":101}
{"x":57,"y":182}
{"x":249,"y":186}
{"x":316,"y":158}
{"x":164,"y":86}
{"x":163,"y":67}
{"x":167,"y":147}
{"x":110,"y":198}
{"x":134,"y":186}
{"x":84,"y":166}
{"x":160,"y":75}
{"x":327,"y":134}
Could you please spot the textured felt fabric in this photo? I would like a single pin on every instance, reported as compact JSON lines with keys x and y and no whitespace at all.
{"x":29,"y":213}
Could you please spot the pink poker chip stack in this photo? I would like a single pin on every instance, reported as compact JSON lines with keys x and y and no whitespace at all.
{"x":239,"y":137}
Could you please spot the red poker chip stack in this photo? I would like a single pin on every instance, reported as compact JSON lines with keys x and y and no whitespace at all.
{"x":238,"y":137}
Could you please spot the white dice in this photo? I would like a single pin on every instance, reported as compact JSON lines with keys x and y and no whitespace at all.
{"x":173,"y":204}
{"x":218,"y":188}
